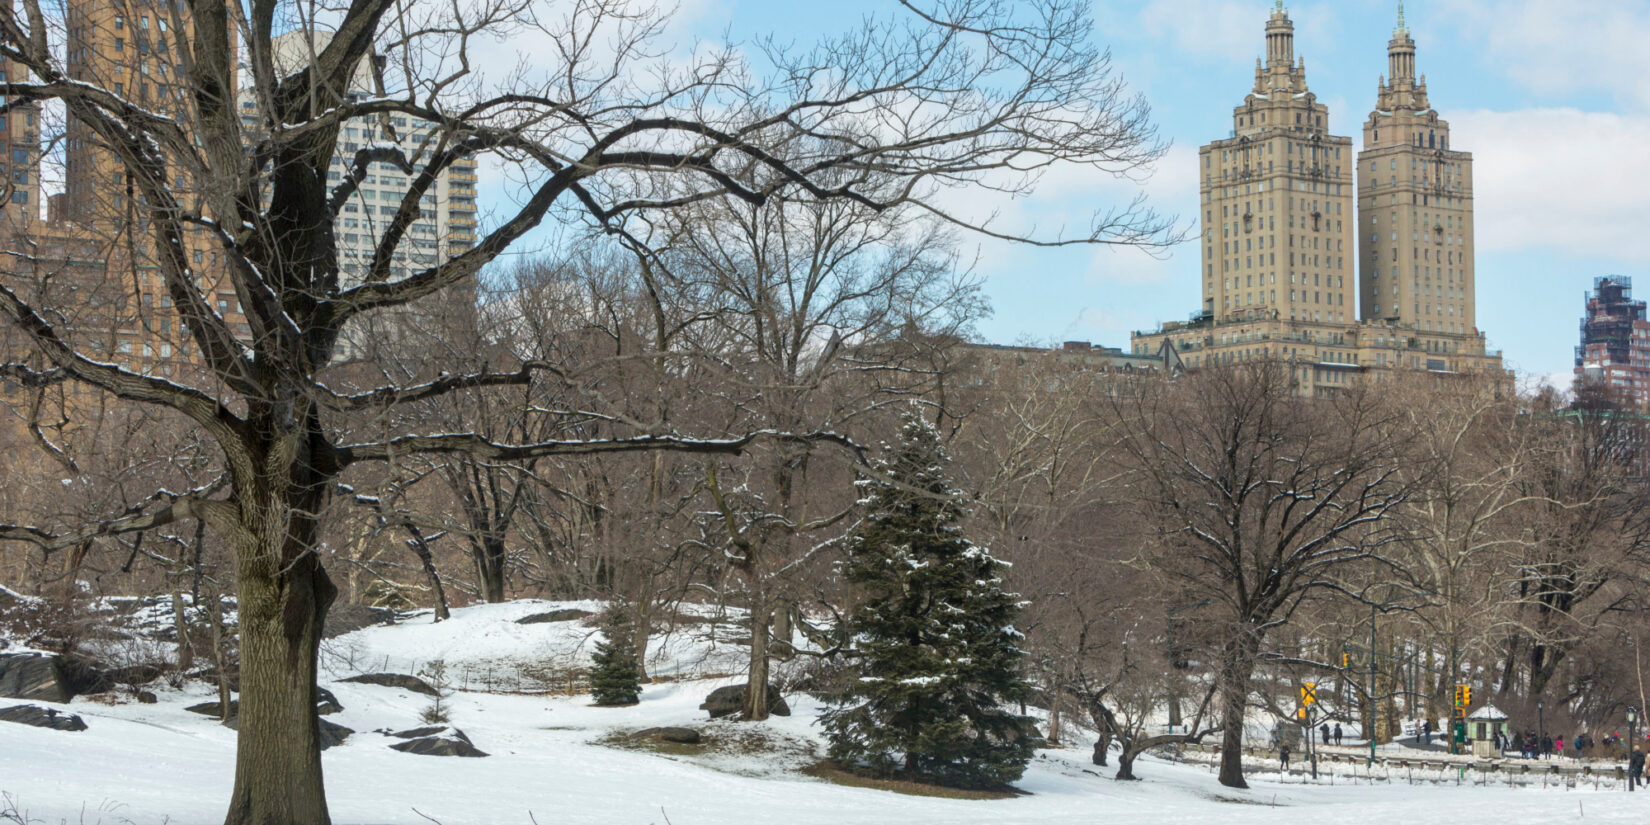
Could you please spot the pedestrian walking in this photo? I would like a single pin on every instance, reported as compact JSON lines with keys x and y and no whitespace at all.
{"x":1635,"y":767}
{"x":1337,"y":733}
{"x":1283,"y":758}
{"x":1324,"y":731}
{"x":1426,"y":731}
{"x":1558,"y":744}
{"x":1546,"y":747}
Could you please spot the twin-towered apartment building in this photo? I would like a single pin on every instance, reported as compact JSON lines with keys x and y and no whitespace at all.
{"x":1341,"y":261}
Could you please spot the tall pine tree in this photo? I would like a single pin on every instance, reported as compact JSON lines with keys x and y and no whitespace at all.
{"x":936,"y":652}
{"x":616,"y":679}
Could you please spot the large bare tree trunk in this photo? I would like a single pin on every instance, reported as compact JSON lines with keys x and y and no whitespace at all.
{"x":489,"y":557}
{"x":180,"y":626}
{"x":756,"y":686}
{"x":643,"y":629}
{"x":1236,"y":667}
{"x":278,"y":755}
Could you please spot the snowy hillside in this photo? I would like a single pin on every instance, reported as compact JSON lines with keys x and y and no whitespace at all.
{"x":556,"y":759}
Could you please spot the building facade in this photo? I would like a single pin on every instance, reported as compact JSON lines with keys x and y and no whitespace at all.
{"x":1415,"y":207}
{"x":1615,"y":343}
{"x":1278,"y":201}
{"x":1344,"y":265}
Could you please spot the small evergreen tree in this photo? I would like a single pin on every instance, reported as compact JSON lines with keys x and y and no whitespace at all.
{"x":616,"y":678}
{"x":435,"y":673}
{"x":935,"y":647}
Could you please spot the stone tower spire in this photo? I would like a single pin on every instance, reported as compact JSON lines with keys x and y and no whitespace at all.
{"x":1415,"y":210}
{"x":1401,"y":53}
{"x":1280,"y":38}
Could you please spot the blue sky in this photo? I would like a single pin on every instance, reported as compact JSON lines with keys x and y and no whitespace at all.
{"x":1551,"y":96}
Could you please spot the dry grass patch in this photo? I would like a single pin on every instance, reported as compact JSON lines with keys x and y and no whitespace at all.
{"x":838,"y":775}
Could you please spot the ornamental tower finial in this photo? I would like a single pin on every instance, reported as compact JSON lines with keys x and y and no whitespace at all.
{"x":1403,"y":28}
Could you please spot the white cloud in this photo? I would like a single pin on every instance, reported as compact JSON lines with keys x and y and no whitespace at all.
{"x":1574,"y":181}
{"x":1561,"y":46}
{"x":1227,"y":29}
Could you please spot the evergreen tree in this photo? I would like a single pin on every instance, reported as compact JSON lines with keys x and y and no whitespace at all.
{"x":935,"y":648}
{"x":616,"y":679}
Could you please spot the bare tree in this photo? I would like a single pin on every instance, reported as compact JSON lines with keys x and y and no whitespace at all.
{"x":959,"y":94}
{"x":1261,"y":499}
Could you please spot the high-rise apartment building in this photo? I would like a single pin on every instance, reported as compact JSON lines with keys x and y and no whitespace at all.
{"x":20,"y":165}
{"x":447,"y":222}
{"x":1615,"y":343}
{"x":1277,"y":201}
{"x":1290,"y":244}
{"x":136,"y":49}
{"x":1415,"y":207}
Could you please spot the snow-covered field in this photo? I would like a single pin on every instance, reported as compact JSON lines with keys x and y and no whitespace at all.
{"x":149,"y":764}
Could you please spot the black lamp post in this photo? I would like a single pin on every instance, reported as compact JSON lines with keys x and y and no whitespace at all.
{"x":1540,"y":722}
{"x":1632,"y":738}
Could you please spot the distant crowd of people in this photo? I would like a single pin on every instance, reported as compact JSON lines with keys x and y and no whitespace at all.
{"x":1533,"y":746}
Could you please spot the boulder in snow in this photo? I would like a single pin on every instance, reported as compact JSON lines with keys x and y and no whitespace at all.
{"x":727,"y":701}
{"x":566,"y":614}
{"x":450,"y":742}
{"x":40,"y":717}
{"x":395,"y":680}
{"x":416,"y":732}
{"x":333,"y":734}
{"x":36,"y":676}
{"x":213,"y":708}
{"x":352,"y":617}
{"x":325,"y":702}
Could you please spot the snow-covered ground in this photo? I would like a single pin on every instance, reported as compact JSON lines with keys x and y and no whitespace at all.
{"x":158,"y":763}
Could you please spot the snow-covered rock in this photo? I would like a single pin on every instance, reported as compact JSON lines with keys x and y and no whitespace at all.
{"x":39,"y":717}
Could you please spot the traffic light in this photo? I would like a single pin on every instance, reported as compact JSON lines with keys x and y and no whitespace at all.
{"x":1463,"y":699}
{"x":1346,"y":660}
{"x":1309,"y":693}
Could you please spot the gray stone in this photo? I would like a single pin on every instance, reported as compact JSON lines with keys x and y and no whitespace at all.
{"x":453,"y":742}
{"x":727,"y":701}
{"x":333,"y":734}
{"x":325,"y":703}
{"x":144,"y":697}
{"x":352,"y":617}
{"x":566,"y":614}
{"x":395,"y":680}
{"x":40,"y":717}
{"x":415,"y":733}
{"x":214,"y":707}
{"x":34,"y":676}
{"x":682,"y":736}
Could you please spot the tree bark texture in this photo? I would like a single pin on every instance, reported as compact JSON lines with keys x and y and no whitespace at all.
{"x":1236,"y":667}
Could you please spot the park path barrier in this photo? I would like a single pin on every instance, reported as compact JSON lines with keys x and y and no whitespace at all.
{"x":1344,"y":766}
